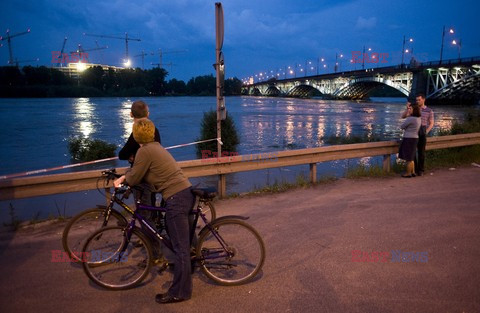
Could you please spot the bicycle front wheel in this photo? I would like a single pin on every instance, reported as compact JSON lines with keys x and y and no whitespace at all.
{"x":113,"y":261}
{"x":82,"y":225}
{"x":231,"y":252}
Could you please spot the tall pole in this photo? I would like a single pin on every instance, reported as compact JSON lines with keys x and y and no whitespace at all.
{"x":441,"y":49}
{"x":363,"y":58}
{"x":126,"y":47}
{"x":336,"y":62}
{"x":403,"y":50}
{"x":220,"y":71}
{"x":10,"y":61}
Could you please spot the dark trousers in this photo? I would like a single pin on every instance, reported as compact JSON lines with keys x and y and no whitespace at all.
{"x":420,"y":159}
{"x":179,"y":220}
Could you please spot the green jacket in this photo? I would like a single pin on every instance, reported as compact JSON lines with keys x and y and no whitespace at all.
{"x":156,"y":166}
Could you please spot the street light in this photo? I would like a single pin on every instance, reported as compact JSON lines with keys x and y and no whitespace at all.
{"x":336,"y":60}
{"x":451,"y":31}
{"x":318,"y":64}
{"x":363,"y":57}
{"x":403,"y":49}
{"x":459,"y":46}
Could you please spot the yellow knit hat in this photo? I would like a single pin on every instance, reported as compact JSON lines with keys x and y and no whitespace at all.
{"x":144,"y":131}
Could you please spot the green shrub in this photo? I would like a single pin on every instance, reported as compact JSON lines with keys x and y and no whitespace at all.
{"x":208,"y":130}
{"x":84,"y":149}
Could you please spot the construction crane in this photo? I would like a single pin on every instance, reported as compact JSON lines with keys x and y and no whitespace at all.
{"x":25,"y":61}
{"x":63,"y":49}
{"x":158,"y":65}
{"x":81,"y":50}
{"x":161,"y":53}
{"x":143,"y":54}
{"x":8,"y":38}
{"x":126,"y":38}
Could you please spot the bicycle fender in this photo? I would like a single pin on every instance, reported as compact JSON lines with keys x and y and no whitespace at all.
{"x":227,"y":217}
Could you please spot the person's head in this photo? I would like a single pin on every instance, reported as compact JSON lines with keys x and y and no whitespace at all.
{"x":416,"y":111}
{"x":420,"y":100}
{"x":143,"y":131}
{"x":139,"y":109}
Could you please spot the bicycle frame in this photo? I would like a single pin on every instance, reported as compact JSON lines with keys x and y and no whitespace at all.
{"x":146,"y":225}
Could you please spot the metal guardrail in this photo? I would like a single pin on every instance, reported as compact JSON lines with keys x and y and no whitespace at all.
{"x":18,"y":188}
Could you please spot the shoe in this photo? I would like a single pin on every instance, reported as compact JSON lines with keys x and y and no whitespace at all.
{"x":167,"y":298}
{"x":406,"y":176}
{"x":414,"y":175}
{"x":420,"y":174}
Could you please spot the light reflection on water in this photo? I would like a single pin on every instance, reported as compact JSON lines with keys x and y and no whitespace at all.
{"x":126,"y":119}
{"x":41,"y":126}
{"x":83,"y":112}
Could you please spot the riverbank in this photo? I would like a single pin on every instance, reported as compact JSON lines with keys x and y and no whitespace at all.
{"x":310,"y":234}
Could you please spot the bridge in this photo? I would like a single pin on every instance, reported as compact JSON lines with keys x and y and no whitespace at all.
{"x":449,"y":81}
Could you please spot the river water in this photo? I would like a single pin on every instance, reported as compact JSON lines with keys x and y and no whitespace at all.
{"x":36,"y":133}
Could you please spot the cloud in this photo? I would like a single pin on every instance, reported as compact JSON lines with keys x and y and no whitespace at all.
{"x":366,"y":23}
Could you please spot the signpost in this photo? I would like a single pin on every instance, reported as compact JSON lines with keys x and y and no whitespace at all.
{"x":220,"y":71}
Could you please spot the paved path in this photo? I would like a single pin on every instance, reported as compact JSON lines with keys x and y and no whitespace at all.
{"x":310,"y":235}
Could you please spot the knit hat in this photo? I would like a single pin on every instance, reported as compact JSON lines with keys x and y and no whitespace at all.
{"x":144,"y":131}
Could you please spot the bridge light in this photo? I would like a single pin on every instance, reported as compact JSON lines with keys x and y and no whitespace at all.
{"x":454,"y":42}
{"x":451,"y":31}
{"x":323,"y":59}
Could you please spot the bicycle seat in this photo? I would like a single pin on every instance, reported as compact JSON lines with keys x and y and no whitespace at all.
{"x":205,"y":193}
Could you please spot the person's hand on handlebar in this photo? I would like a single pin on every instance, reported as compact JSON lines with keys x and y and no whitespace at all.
{"x":119,"y":181}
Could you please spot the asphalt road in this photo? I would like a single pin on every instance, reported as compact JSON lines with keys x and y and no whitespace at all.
{"x":310,"y":235}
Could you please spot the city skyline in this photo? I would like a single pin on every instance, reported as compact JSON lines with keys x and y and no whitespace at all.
{"x":259,"y":37}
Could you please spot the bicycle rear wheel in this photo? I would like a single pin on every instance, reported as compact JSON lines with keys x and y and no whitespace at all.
{"x":233,"y":254}
{"x":82,"y":225}
{"x":114,"y":262}
{"x":209,"y":210}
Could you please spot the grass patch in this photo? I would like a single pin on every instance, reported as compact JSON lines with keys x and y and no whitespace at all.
{"x":301,"y":181}
{"x":367,"y":171}
{"x":14,"y":221}
{"x":452,"y":157}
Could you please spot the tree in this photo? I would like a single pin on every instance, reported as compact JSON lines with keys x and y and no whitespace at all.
{"x":233,"y":87}
{"x":202,"y":85}
{"x":155,"y":81}
{"x":11,"y":76}
{"x":93,"y":77}
{"x":208,"y":130}
{"x":37,"y":75}
{"x":176,"y":87}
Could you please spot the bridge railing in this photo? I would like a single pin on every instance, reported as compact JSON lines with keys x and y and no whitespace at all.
{"x":450,"y":62}
{"x":18,"y":188}
{"x":406,"y":66}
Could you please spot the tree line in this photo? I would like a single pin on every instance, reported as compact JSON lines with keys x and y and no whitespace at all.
{"x":42,"y":81}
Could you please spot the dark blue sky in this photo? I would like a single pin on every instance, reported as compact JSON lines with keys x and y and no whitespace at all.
{"x":259,"y":35}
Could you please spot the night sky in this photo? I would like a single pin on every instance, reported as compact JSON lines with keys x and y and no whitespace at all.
{"x":260,"y":36}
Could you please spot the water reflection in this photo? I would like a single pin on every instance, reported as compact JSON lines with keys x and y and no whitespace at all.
{"x":125,"y":119}
{"x":83,"y":111}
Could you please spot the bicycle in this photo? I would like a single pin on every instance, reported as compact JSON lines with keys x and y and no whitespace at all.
{"x":85,"y":223}
{"x":229,"y":251}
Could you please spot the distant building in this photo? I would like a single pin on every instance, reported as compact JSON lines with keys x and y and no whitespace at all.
{"x":73,"y":69}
